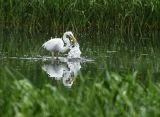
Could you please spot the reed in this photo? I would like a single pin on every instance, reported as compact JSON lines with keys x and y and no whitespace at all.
{"x":84,"y":15}
{"x":108,"y":96}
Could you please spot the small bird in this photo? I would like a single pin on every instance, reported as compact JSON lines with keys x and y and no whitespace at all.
{"x":60,"y":45}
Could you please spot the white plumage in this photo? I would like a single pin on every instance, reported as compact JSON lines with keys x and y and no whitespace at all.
{"x":74,"y":52}
{"x":54,"y":45}
{"x":60,"y":44}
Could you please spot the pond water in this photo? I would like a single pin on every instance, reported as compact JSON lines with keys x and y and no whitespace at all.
{"x":22,"y":54}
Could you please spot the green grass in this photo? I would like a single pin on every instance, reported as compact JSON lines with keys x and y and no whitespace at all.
{"x":85,"y":15}
{"x":112,"y":95}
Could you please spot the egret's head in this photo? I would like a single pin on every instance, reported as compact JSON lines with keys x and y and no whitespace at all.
{"x":70,"y":36}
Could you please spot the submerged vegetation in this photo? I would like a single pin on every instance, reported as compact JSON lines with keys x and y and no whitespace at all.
{"x":81,"y":15}
{"x":112,"y":95}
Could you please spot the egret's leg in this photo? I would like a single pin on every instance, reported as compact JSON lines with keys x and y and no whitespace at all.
{"x":52,"y":55}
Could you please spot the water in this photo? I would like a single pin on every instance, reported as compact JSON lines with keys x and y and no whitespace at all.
{"x":102,"y":82}
{"x":22,"y":54}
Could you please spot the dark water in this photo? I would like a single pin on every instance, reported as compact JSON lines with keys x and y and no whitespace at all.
{"x":22,"y":55}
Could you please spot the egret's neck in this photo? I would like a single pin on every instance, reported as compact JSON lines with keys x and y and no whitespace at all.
{"x":66,"y":43}
{"x":65,"y":39}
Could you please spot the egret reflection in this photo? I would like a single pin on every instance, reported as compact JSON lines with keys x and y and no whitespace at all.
{"x":64,"y":71}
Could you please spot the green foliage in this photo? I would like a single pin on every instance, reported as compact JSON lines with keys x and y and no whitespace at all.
{"x":98,"y":15}
{"x":113,"y":95}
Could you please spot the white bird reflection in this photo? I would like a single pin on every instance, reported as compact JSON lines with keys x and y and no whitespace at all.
{"x":64,"y":71}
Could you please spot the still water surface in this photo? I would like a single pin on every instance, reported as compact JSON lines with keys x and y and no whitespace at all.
{"x":100,"y":53}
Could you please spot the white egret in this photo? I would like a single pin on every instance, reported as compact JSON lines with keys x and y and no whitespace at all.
{"x":60,"y":44}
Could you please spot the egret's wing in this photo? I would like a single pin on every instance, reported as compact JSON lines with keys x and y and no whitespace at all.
{"x":74,"y":52}
{"x":53,"y":44}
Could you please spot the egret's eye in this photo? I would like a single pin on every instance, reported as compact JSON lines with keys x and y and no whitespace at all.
{"x":68,"y":36}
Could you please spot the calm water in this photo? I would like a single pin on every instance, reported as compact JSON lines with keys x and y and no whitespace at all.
{"x":22,"y":54}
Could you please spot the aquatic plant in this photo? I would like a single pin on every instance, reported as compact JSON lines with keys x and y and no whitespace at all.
{"x":108,"y":96}
{"x":84,"y":15}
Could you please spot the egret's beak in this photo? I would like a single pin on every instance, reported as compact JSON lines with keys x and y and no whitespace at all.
{"x":73,"y":39}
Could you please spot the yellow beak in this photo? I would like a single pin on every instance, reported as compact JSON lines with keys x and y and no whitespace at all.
{"x":73,"y":38}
